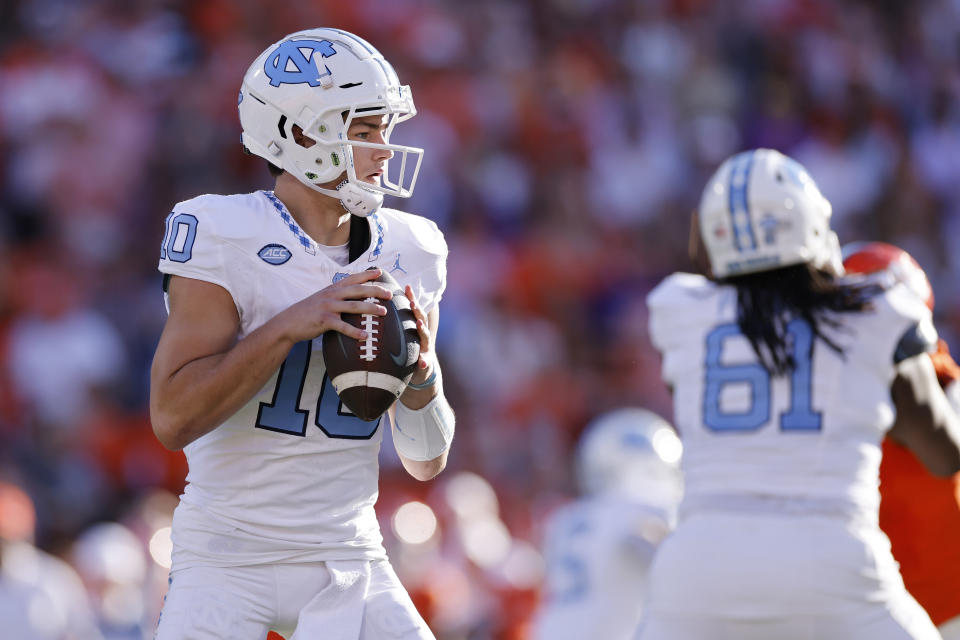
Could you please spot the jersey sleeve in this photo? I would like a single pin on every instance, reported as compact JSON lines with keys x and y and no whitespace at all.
{"x":669,"y":305}
{"x":430,"y":281}
{"x":900,"y":326}
{"x":193,"y":248}
{"x":644,"y":529}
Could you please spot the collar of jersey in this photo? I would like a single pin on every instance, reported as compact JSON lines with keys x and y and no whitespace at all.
{"x":308,"y":244}
{"x":303,"y":239}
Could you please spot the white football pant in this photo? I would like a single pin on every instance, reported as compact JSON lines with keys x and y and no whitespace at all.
{"x":730,"y":576}
{"x":337,"y":600}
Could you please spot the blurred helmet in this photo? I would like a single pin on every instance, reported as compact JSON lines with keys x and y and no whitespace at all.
{"x":110,"y":552}
{"x":320,"y":80}
{"x":761,"y":210}
{"x":631,"y":452}
{"x":889,"y":265}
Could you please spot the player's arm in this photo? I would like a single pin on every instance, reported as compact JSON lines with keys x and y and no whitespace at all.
{"x":202,"y":374}
{"x":926,"y":424}
{"x":644,"y":535}
{"x":423,"y":426}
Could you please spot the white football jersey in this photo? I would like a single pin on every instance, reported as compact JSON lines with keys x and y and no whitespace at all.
{"x":811,"y":434}
{"x":597,"y":552}
{"x":293,"y":474}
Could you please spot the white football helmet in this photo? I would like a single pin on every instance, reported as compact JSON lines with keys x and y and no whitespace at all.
{"x":633,"y":453}
{"x":761,"y":210}
{"x":321,"y":79}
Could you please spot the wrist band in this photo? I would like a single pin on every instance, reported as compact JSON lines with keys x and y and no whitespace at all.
{"x":424,"y":434}
{"x":426,"y":383}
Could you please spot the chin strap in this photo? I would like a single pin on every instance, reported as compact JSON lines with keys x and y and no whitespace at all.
{"x":357,"y":200}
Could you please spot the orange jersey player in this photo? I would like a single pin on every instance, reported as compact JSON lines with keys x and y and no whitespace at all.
{"x":919,"y":512}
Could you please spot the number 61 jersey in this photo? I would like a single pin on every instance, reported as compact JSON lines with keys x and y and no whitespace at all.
{"x":812,"y":433}
{"x":293,"y":474}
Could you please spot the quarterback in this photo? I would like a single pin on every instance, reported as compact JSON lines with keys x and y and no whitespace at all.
{"x":785,"y":377}
{"x":276,"y":528}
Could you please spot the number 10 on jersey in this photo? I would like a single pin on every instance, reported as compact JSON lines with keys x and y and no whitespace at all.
{"x":283,"y":413}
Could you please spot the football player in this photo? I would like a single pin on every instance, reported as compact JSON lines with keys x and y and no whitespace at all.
{"x":598,"y":548}
{"x":785,"y":378}
{"x":919,"y":512}
{"x":276,"y":528}
{"x":41,"y":596}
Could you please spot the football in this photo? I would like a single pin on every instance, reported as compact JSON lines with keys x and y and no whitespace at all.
{"x":370,"y":374}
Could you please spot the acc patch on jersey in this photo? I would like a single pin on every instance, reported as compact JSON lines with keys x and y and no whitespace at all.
{"x":275,"y":254}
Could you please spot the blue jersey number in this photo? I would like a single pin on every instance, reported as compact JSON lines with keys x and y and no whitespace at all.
{"x":283,"y":412}
{"x":178,"y":237}
{"x":799,"y":417}
{"x":567,"y":574}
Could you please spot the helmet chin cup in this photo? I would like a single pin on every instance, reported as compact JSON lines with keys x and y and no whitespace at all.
{"x":357,"y":200}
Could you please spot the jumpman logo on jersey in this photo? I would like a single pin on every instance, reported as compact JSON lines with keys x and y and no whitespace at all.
{"x":396,"y":265}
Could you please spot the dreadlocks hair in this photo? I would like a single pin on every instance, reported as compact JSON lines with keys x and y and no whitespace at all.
{"x":768,"y":300}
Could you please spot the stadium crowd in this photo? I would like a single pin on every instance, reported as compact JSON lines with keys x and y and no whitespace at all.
{"x":566,"y":142}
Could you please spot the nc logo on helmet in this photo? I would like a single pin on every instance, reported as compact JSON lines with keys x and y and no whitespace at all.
{"x":292,"y":62}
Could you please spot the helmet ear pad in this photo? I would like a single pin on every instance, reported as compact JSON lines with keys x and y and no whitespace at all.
{"x":356,"y":199}
{"x":313,"y":159}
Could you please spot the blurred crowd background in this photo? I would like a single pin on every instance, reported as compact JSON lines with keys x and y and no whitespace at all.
{"x":566,"y":144}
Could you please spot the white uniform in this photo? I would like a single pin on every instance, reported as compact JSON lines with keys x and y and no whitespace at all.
{"x":597,"y":552}
{"x":42,"y":597}
{"x":292,"y":476}
{"x":778,"y":533}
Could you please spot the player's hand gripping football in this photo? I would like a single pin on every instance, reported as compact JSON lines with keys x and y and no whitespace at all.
{"x":321,"y":311}
{"x":426,"y":362}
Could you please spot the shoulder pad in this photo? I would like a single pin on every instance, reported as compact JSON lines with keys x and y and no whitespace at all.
{"x":678,"y":287}
{"x":233,"y":217}
{"x":677,"y":305}
{"x":418,"y":230}
{"x":193,"y":240}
